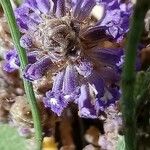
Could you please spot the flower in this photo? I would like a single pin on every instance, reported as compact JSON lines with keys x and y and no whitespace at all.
{"x":64,"y":42}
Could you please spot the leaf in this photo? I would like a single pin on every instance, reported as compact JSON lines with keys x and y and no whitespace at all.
{"x":121,"y":143}
{"x":10,"y":139}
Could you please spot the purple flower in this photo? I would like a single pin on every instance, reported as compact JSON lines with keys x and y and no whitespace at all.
{"x":64,"y":42}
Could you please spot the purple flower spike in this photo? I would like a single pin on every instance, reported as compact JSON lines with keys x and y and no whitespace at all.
{"x":70,"y":80}
{"x":60,"y":10}
{"x":37,"y":70}
{"x":55,"y":101}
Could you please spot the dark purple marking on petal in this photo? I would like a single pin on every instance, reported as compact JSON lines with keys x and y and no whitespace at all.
{"x":77,"y":8}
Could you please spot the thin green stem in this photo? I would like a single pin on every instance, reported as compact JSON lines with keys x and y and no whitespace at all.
{"x":128,"y":76}
{"x":23,"y":62}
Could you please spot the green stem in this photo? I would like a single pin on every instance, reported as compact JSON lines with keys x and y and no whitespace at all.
{"x":23,"y":62}
{"x":128,"y":76}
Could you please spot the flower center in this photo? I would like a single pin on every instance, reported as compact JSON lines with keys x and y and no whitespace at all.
{"x":59,"y":36}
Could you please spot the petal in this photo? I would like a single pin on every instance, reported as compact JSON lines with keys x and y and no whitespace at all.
{"x":96,"y":33}
{"x":9,"y":68}
{"x":83,"y":9}
{"x":43,"y":5}
{"x":58,"y":82}
{"x":85,"y":68}
{"x":37,"y":70}
{"x":110,"y":75}
{"x":97,"y":83}
{"x":60,"y":8}
{"x":109,"y":56}
{"x":70,"y":82}
{"x":86,"y":109}
{"x":56,"y":102}
{"x":10,"y":54}
{"x":86,"y":9}
{"x":26,"y":41}
{"x":32,"y":57}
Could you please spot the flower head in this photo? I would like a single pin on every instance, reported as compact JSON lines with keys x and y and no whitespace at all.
{"x":64,"y":42}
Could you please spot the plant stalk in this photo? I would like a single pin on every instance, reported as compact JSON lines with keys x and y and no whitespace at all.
{"x":128,"y":75}
{"x":23,"y":62}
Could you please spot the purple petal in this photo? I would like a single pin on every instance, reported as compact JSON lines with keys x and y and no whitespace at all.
{"x":83,"y":9}
{"x":86,"y":109}
{"x":11,"y":61}
{"x":43,"y":5}
{"x":10,"y":54}
{"x":55,"y":101}
{"x":58,"y":82}
{"x":109,"y":56}
{"x":110,"y":75}
{"x":37,"y":70}
{"x":26,"y":41}
{"x":85,"y":68}
{"x":9,"y":68}
{"x":70,"y":80}
{"x":86,"y":9}
{"x":60,"y":8}
{"x":96,"y":33}
{"x":97,"y":82}
{"x":32,"y":57}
